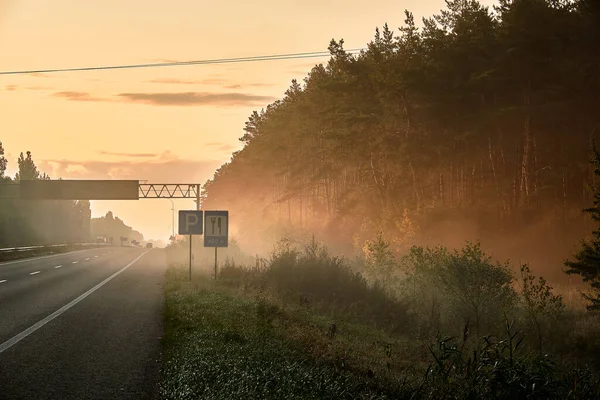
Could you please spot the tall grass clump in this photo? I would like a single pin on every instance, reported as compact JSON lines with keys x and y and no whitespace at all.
{"x":502,"y":368}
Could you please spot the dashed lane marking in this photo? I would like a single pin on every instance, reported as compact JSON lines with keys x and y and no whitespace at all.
{"x":17,"y":338}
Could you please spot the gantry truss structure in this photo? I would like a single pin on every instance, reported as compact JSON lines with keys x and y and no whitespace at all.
{"x":99,"y":190}
{"x":169,"y":191}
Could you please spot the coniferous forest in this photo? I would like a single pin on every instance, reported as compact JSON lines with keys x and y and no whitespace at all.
{"x":474,"y":125}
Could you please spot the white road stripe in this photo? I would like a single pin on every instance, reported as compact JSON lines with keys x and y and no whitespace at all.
{"x":33,"y":273}
{"x":74,"y":262}
{"x":17,"y":338}
{"x":41,"y":257}
{"x":2,"y":281}
{"x":86,"y":259}
{"x":58,"y":266}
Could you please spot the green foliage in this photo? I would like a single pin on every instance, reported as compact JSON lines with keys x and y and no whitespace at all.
{"x":479,"y":288}
{"x":587,"y":260}
{"x":3,"y":162}
{"x":221,"y":342}
{"x":543,"y":308}
{"x":380,"y":261}
{"x":500,"y":369}
{"x":422,"y":288}
{"x":447,"y":289}
{"x":27,"y":169}
{"x":221,"y":347}
{"x":318,"y":278}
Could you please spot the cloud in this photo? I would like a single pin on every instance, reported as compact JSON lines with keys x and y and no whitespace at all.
{"x":167,"y":168}
{"x":135,"y":155}
{"x":15,"y":87}
{"x":39,"y":88}
{"x":259,"y":84}
{"x":195,"y":99}
{"x":174,"y":81}
{"x":172,"y":98}
{"x":224,"y":147}
{"x":213,"y":81}
{"x":78,"y":96}
{"x":208,"y":81}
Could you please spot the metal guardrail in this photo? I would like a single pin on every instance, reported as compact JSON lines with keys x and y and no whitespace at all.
{"x":32,"y":248}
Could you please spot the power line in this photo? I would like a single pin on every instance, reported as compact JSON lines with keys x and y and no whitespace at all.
{"x":313,"y":54}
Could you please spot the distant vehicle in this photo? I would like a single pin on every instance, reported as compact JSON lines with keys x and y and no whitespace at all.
{"x":149,"y":245}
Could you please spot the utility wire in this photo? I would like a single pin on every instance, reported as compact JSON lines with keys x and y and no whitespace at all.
{"x":182,"y":63}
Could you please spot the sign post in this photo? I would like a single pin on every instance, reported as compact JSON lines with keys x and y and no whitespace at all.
{"x":190,"y":223}
{"x":216,"y":231}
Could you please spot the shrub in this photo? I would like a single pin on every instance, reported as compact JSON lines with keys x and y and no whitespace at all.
{"x":380,"y":263}
{"x":542,"y":308}
{"x":448,"y":289}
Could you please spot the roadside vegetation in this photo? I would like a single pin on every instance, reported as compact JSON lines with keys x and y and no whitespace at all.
{"x":431,"y":323}
{"x":475,"y":124}
{"x":436,"y":323}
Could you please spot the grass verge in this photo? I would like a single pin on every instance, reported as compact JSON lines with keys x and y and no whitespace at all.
{"x":224,"y":341}
{"x":220,"y":344}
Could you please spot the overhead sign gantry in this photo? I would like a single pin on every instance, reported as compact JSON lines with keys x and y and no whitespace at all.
{"x":97,"y":190}
{"x":191,"y":222}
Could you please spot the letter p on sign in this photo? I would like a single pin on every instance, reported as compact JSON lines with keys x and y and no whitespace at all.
{"x":190,"y":222}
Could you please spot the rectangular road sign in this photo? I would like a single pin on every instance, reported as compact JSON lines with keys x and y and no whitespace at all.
{"x":190,"y":222}
{"x":79,"y":190}
{"x":216,"y":228}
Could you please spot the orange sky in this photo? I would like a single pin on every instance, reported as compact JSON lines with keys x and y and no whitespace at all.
{"x":91,"y":125}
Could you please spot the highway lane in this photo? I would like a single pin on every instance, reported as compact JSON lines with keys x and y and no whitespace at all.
{"x":106,"y":345}
{"x":14,"y":268}
{"x":33,"y":289}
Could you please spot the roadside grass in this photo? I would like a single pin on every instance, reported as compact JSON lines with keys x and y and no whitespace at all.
{"x":220,"y":344}
{"x":303,"y":325}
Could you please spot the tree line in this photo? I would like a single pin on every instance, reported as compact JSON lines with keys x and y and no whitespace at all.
{"x":483,"y":113}
{"x":29,"y":223}
{"x":113,"y":227}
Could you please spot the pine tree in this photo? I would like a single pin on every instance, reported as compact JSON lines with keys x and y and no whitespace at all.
{"x":587,"y":260}
{"x":3,"y":162}
{"x":27,"y":168}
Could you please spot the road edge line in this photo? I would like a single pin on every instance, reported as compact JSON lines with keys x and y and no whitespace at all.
{"x":17,"y":338}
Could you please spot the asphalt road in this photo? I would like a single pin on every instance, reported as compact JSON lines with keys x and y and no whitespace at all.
{"x":82,"y":325}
